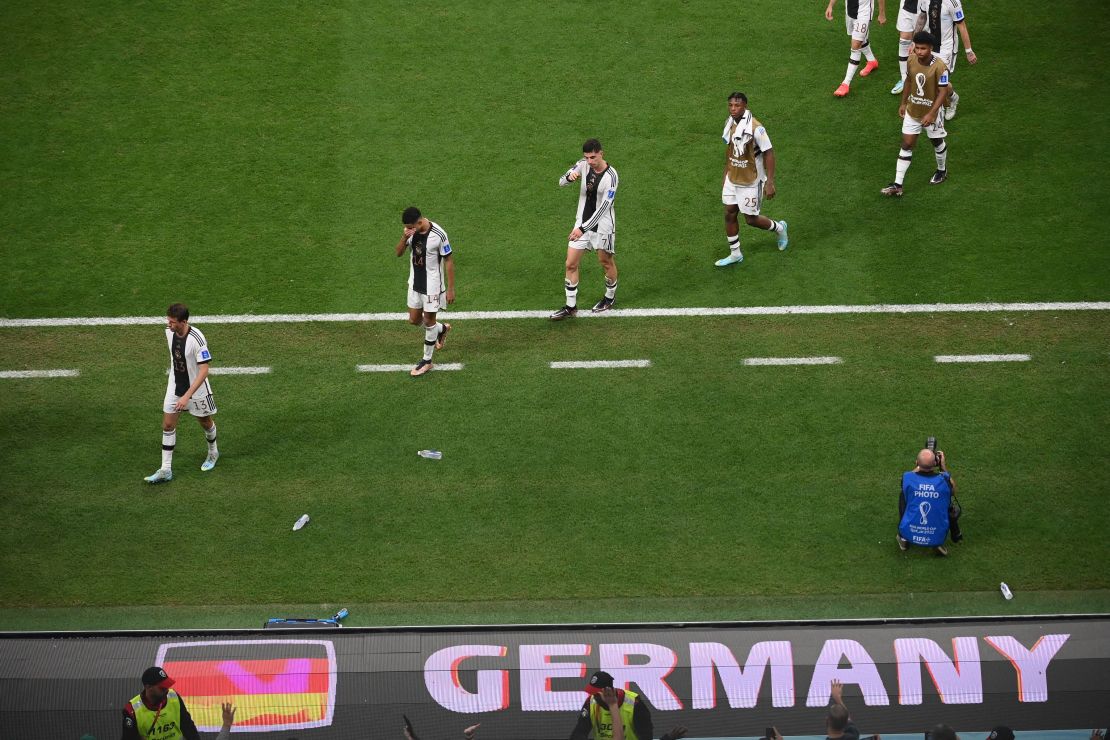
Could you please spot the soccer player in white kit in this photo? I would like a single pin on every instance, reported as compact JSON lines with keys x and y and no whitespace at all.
{"x":857,"y":18}
{"x":187,"y":389}
{"x":431,"y":280}
{"x":595,"y":226}
{"x":906,"y":24}
{"x":941,"y":18}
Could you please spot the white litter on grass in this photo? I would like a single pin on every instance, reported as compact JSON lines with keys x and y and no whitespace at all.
{"x":594,"y":364}
{"x":398,"y":368}
{"x":292,"y":318}
{"x":793,"y":361}
{"x":983,"y":358}
{"x":220,"y":370}
{"x":14,"y":374}
{"x":300,"y":522}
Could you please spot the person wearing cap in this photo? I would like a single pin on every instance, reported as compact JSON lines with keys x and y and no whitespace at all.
{"x":925,"y":511}
{"x":605,"y":705}
{"x":159,"y":713}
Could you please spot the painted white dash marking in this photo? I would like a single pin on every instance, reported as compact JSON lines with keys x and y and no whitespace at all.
{"x":399,"y":368}
{"x":5,"y":374}
{"x":793,"y":361}
{"x":591,"y":364}
{"x":221,"y":370}
{"x":982,"y":358}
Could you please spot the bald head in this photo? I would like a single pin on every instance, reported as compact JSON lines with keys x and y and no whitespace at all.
{"x":926,"y":460}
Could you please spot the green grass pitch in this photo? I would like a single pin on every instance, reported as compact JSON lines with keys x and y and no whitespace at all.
{"x":249,"y":158}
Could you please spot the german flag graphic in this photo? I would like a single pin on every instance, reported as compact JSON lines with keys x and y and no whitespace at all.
{"x":276,"y":685}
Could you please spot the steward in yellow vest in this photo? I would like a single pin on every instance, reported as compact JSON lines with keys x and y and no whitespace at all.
{"x":609,"y":711}
{"x":157,"y":712}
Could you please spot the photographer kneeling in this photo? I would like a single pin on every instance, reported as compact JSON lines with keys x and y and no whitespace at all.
{"x":926,"y":505}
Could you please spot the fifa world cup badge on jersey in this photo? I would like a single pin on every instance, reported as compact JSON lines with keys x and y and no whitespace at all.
{"x":205,"y":355}
{"x":610,"y":194}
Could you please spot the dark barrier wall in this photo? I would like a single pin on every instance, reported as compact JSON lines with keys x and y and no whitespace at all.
{"x":718,"y":680}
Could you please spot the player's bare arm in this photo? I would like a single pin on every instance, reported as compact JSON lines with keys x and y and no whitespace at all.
{"x":449,"y":261}
{"x":769,"y":166}
{"x":882,"y":12}
{"x":828,"y":11}
{"x":183,"y":402}
{"x":966,"y":38}
{"x":905,"y":100}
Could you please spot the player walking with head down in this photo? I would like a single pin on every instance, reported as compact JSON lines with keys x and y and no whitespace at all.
{"x":188,"y":389}
{"x":857,"y":17}
{"x":749,"y":175}
{"x":922,"y":99}
{"x":431,"y":280}
{"x":595,"y":226}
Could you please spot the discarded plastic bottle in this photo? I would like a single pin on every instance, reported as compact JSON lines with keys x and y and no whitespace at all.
{"x":341,"y":614}
{"x":301,"y":522}
{"x":430,"y":454}
{"x":1006,"y":591}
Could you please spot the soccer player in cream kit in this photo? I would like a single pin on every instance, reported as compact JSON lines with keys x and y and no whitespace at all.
{"x":595,"y":226}
{"x":187,"y":389}
{"x":431,"y":280}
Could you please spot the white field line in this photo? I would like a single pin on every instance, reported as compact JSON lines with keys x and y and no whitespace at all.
{"x":221,"y":370}
{"x":793,"y":361}
{"x":982,"y":358}
{"x":292,"y":318}
{"x":13,"y":374}
{"x":399,"y":368}
{"x":594,"y":364}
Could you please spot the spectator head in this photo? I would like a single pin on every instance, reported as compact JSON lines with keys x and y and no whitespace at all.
{"x":926,"y":460}
{"x":598,"y":681}
{"x":1001,"y":733}
{"x":156,"y":683}
{"x":838,"y":717}
{"x":943,"y":732}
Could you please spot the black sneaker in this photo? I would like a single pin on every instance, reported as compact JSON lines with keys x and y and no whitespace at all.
{"x":566,"y":312}
{"x":603,"y":305}
{"x":893,"y":189}
{"x":938,"y":177}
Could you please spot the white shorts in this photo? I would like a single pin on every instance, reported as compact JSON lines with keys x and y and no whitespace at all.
{"x":911,"y":125}
{"x":907,"y":21}
{"x":858,"y":27}
{"x":748,"y":197}
{"x":201,"y":404}
{"x":427,"y":303}
{"x":949,"y":57}
{"x":592,"y":241}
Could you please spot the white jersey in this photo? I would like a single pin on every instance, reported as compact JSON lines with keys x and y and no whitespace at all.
{"x":595,"y":198}
{"x":859,"y":9}
{"x":187,"y":354}
{"x":426,"y":273}
{"x":941,"y":17}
